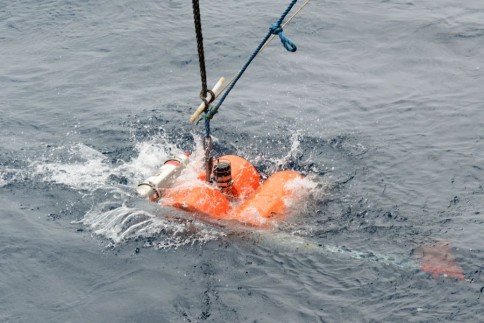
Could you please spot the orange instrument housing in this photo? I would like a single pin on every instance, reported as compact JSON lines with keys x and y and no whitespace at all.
{"x":254,"y":203}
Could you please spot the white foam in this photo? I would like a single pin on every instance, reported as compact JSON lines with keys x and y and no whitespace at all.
{"x":3,"y":182}
{"x":302,"y":191}
{"x":83,"y":167}
{"x":79,"y":167}
{"x":122,"y":224}
{"x":10,"y":175}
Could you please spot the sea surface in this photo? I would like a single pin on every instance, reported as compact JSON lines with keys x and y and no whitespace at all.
{"x":381,"y":107}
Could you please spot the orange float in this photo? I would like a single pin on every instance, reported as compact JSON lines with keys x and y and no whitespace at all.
{"x":202,"y":199}
{"x":246,"y":200}
{"x":268,"y":202}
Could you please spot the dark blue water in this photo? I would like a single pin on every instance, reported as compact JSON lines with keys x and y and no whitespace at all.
{"x":381,"y":106}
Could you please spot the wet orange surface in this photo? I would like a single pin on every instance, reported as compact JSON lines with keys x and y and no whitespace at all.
{"x":437,"y":259}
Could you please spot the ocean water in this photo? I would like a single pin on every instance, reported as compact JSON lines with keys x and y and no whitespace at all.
{"x":381,"y":107}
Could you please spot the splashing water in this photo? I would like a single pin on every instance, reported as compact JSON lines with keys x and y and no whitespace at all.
{"x":3,"y":181}
{"x":9,"y":175}
{"x":85,"y":169}
{"x":294,"y":151}
{"x":122,"y":224}
{"x":110,"y":186}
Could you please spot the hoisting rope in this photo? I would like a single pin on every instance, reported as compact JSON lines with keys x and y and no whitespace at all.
{"x":207,"y":140}
{"x":275,"y":29}
{"x":201,"y":54}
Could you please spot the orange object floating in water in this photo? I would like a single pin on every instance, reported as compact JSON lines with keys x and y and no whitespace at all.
{"x":437,"y":259}
{"x":264,"y":203}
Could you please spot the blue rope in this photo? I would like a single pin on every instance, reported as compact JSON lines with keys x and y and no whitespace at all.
{"x":288,"y":44}
{"x":207,"y":128}
{"x":275,"y":29}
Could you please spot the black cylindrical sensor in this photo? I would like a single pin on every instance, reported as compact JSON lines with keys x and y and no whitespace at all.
{"x":222,"y":174}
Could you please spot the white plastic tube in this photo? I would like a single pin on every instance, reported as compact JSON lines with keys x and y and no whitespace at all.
{"x":152,"y":188}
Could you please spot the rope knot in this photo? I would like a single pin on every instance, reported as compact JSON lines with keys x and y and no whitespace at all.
{"x":275,"y":29}
{"x":289,"y":45}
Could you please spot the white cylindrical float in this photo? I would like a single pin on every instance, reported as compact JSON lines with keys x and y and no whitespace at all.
{"x":153,"y":186}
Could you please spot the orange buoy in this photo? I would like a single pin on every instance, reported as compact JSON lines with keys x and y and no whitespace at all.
{"x":268,"y":201}
{"x":263,"y":202}
{"x":202,"y":199}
